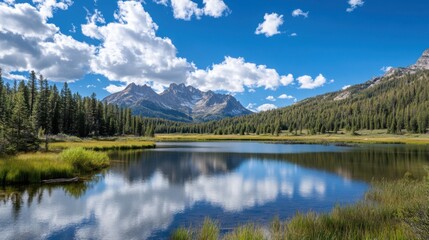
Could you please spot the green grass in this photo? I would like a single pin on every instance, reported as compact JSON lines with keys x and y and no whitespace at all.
{"x":35,"y":167}
{"x":246,"y":232}
{"x":102,"y":145}
{"x":368,"y":137}
{"x":84,"y":161}
{"x":391,"y":210}
{"x":208,"y":231}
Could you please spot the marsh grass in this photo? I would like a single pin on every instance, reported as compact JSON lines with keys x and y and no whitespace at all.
{"x":102,"y":145}
{"x":182,"y":234}
{"x":208,"y":231}
{"x":390,"y":210}
{"x":246,"y":232}
{"x":83,"y":160}
{"x":31,"y":168}
{"x":35,"y":167}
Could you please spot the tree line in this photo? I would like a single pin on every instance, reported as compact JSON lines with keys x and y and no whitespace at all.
{"x":398,"y":103}
{"x":32,"y":110}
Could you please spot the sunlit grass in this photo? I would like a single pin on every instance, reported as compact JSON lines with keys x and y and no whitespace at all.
{"x":391,"y":210}
{"x":83,"y":160}
{"x":98,"y":145}
{"x":208,"y":231}
{"x":246,"y":232}
{"x":35,"y":167}
{"x":363,"y":137}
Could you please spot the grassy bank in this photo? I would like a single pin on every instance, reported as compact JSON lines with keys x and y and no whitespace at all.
{"x":102,"y":145}
{"x":391,"y":210}
{"x":35,"y":167}
{"x":363,"y":137}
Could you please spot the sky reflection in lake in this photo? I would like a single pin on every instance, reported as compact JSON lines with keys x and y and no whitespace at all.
{"x":147,"y":194}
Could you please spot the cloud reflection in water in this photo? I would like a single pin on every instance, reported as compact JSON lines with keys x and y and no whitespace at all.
{"x":117,"y":208}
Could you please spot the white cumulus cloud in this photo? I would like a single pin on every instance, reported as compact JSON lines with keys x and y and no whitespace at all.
{"x":266,"y":107}
{"x":114,"y":88}
{"x":162,"y":2}
{"x":345,"y":87}
{"x":271,"y":24}
{"x":298,"y":12}
{"x":353,"y":4}
{"x":29,"y":42}
{"x":130,"y":51}
{"x":285,"y":96}
{"x":234,"y":74}
{"x":271,"y":98}
{"x":46,"y":7}
{"x":215,"y":8}
{"x":251,"y":107}
{"x":307,"y":82}
{"x":186,"y":9}
{"x":386,"y":68}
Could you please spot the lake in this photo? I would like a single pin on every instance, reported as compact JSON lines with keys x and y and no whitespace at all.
{"x":146,"y":194}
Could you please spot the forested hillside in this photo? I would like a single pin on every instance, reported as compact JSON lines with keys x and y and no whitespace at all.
{"x":397,"y":102}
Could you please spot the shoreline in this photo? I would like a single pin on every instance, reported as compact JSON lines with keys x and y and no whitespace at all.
{"x":389,"y":210}
{"x":64,"y":161}
{"x":422,"y":139}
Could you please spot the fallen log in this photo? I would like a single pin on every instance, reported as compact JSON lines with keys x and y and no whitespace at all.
{"x":61,"y":180}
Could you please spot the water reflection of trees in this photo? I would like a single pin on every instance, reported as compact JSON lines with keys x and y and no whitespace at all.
{"x":360,"y":163}
{"x":177,"y":167}
{"x":369,"y":162}
{"x":20,"y":195}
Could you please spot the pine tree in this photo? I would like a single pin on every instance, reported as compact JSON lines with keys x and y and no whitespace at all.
{"x":3,"y":142}
{"x":41,"y":106}
{"x":67,"y":110}
{"x":2,"y":99}
{"x":33,"y":90}
{"x":21,"y":134}
{"x":54,"y":110}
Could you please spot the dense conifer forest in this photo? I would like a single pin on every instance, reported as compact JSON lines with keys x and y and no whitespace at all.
{"x":398,"y":103}
{"x":32,"y":110}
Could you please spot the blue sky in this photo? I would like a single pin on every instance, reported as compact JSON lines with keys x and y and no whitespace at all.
{"x":252,"y":49}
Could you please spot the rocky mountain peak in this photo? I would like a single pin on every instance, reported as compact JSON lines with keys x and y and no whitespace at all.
{"x":423,"y":61}
{"x":421,"y":64}
{"x":178,"y":102}
{"x":181,"y":88}
{"x":132,"y":87}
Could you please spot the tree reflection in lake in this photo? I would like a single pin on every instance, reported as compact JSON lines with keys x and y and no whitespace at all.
{"x":147,"y":194}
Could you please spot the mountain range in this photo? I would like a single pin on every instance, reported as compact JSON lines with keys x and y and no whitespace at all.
{"x":397,"y":102}
{"x":178,"y":103}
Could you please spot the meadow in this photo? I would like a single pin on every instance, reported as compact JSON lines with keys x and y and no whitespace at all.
{"x":361,"y":137}
{"x":103,"y":144}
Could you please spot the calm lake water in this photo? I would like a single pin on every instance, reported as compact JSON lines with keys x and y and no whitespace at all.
{"x":147,"y":194}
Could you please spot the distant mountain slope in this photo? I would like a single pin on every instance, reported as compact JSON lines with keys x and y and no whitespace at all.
{"x":396,"y":101}
{"x":178,"y":103}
